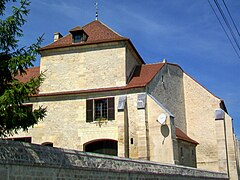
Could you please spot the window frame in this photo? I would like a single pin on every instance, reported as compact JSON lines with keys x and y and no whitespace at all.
{"x":77,"y":40}
{"x":91,"y":109}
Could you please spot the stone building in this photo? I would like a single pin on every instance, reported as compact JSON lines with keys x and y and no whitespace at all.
{"x":102,"y":97}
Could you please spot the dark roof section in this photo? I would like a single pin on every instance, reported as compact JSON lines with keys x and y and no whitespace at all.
{"x":97,"y":33}
{"x":141,"y":77}
{"x":78,"y":28}
{"x":182,"y":136}
{"x":30,"y":73}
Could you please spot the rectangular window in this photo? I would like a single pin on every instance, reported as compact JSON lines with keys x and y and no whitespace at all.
{"x":77,"y":38}
{"x":100,"y":108}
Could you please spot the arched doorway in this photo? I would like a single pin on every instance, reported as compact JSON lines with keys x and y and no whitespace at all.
{"x":102,"y":146}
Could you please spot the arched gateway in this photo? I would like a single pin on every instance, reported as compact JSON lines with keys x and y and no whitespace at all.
{"x":102,"y":146}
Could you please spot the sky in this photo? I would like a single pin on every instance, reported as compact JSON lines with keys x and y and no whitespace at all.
{"x":185,"y":32}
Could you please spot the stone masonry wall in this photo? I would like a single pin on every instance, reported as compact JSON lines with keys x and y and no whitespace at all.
{"x":216,"y":142}
{"x":167,"y":88}
{"x":78,"y":68}
{"x":23,"y":161}
{"x":161,"y":138}
{"x":201,"y":126}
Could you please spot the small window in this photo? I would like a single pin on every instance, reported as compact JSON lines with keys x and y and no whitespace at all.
{"x":77,"y":38}
{"x":181,"y":152}
{"x":100,"y":108}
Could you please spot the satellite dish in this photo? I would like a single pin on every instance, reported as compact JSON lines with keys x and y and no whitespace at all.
{"x":162,"y":118}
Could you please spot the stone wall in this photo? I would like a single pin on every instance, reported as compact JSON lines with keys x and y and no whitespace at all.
{"x":201,"y":125}
{"x":32,"y":162}
{"x":162,"y":139}
{"x":216,"y":149}
{"x":167,"y":88}
{"x":88,"y":67}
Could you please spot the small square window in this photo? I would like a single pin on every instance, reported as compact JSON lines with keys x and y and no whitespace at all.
{"x":77,"y":38}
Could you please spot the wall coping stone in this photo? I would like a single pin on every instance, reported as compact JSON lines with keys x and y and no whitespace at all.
{"x":20,"y":153}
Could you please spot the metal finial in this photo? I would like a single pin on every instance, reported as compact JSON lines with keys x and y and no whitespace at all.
{"x":96,"y":6}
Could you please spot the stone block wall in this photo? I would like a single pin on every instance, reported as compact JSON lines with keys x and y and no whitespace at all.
{"x":167,"y":88}
{"x":201,"y":126}
{"x":216,"y":149}
{"x":23,"y":161}
{"x":161,"y":137}
{"x":80,"y":68}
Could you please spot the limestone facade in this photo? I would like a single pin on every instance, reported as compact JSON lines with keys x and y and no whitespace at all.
{"x":112,"y":68}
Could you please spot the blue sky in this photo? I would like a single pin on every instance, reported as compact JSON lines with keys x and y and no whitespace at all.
{"x":185,"y":32}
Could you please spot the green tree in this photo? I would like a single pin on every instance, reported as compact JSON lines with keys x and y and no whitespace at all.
{"x":15,"y":60}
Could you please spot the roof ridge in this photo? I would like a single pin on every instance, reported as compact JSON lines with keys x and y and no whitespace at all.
{"x":105,"y":26}
{"x":203,"y":86}
{"x":111,"y":29}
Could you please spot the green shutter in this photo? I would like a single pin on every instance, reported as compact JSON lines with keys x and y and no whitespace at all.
{"x":111,"y":112}
{"x":89,"y":110}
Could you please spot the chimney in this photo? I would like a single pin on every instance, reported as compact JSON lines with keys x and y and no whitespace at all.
{"x":57,"y":36}
{"x":164,"y":60}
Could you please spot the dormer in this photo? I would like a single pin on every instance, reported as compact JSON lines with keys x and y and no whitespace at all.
{"x":78,"y":35}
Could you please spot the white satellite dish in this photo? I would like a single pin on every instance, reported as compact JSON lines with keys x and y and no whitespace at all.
{"x":162,"y":118}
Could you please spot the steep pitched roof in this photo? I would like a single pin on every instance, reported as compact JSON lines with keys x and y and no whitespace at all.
{"x":30,"y":73}
{"x":182,"y":136}
{"x":97,"y":33}
{"x":141,"y":77}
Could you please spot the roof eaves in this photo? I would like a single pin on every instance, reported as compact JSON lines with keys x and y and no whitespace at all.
{"x":110,"y":28}
{"x":184,"y":137}
{"x":78,"y":92}
{"x":52,"y":43}
{"x":82,"y":44}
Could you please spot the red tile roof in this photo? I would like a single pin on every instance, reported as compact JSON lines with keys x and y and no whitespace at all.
{"x":144,"y":74}
{"x":31,"y":73}
{"x":97,"y":33}
{"x":141,"y":77}
{"x":182,"y":136}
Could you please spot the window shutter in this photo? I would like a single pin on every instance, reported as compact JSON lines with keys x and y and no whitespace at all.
{"x":89,"y":110}
{"x":111,"y":112}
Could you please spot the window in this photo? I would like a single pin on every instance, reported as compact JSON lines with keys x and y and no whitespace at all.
{"x":100,"y":108}
{"x":77,"y":38}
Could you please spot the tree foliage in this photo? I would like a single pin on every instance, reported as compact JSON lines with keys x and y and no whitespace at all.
{"x":15,"y":60}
